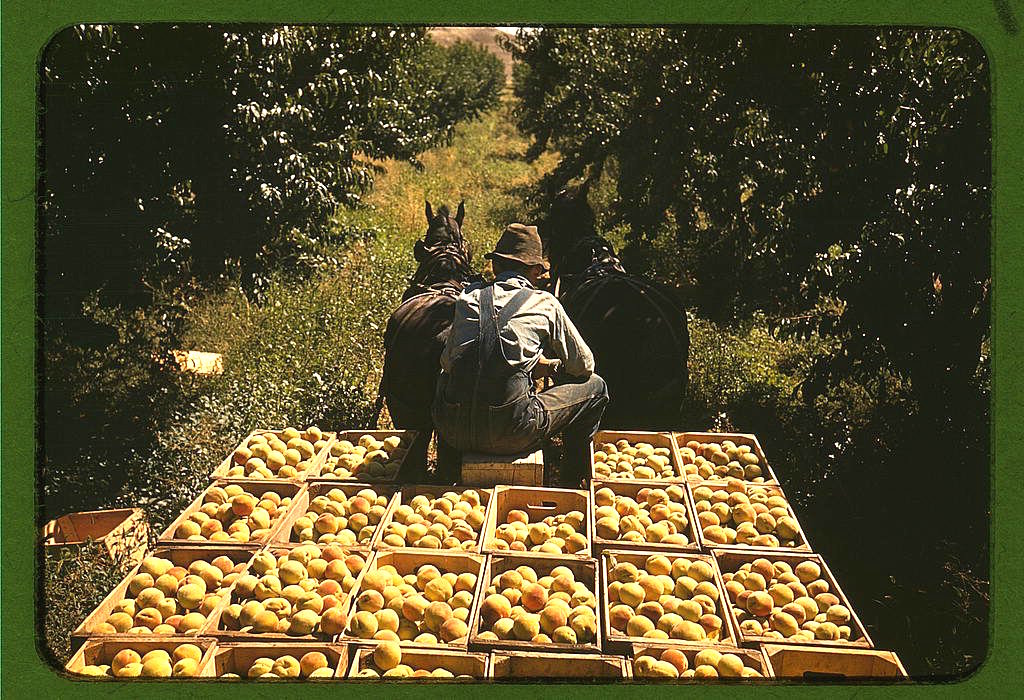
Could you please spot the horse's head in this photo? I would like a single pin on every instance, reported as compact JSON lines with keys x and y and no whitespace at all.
{"x":592,"y":254}
{"x":570,"y":220}
{"x":443,"y":254}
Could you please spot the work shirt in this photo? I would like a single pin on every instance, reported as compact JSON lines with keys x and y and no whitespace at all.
{"x":539,"y":327}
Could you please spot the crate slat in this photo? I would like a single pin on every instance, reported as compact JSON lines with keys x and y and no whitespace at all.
{"x":679,"y":441}
{"x":120,"y":533}
{"x":215,"y":629}
{"x":730,"y":561}
{"x":238,"y":657}
{"x":583,"y":570}
{"x":657,"y":439}
{"x":616,"y":641}
{"x":773,"y":490}
{"x":407,"y":436}
{"x":406,"y":561}
{"x":525,"y":665}
{"x":407,"y":493}
{"x":256,"y":487}
{"x":538,"y":503}
{"x":300,"y":506}
{"x":180,"y":556}
{"x":101,"y":650}
{"x":316,"y":461}
{"x":622,"y":487}
{"x":824,"y":663}
{"x":421,"y":658}
{"x":754,"y":658}
{"x":526,"y":469}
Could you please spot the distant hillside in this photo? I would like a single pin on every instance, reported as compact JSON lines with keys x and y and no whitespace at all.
{"x":485,"y":36}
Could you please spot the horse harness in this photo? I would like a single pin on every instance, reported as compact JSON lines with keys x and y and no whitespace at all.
{"x":421,"y":300}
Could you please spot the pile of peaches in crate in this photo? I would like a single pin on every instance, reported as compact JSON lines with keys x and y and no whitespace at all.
{"x":303,"y":558}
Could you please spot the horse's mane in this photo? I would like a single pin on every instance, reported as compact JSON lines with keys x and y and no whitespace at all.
{"x":440,"y":264}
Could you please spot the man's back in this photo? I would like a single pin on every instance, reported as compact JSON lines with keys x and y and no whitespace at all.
{"x":538,"y":326}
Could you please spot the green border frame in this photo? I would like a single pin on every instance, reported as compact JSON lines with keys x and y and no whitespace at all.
{"x":27,"y":26}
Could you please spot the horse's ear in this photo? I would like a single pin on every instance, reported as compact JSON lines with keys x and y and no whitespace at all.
{"x":418,"y":249}
{"x":429,"y":212}
{"x":461,"y":213}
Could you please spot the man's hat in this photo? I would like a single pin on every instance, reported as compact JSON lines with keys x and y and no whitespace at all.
{"x":520,"y":243}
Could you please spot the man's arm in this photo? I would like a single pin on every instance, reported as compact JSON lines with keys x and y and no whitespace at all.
{"x":568,"y":345}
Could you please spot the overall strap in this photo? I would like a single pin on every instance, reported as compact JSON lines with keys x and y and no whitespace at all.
{"x":492,"y":323}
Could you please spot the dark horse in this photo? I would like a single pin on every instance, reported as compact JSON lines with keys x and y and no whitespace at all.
{"x":636,"y":328}
{"x":415,"y":336}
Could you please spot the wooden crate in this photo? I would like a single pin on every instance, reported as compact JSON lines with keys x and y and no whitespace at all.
{"x":407,"y":493}
{"x":121,"y":535}
{"x":773,"y":490}
{"x":525,"y":469}
{"x":256,"y":487}
{"x":406,"y":561}
{"x":300,"y":506}
{"x":790,"y":661}
{"x":458,"y":662}
{"x":679,"y":441}
{"x":408,"y":437}
{"x":731,"y":560}
{"x":753,"y":658}
{"x":101,"y":650}
{"x":635,"y":436}
{"x":180,"y":556}
{"x":538,"y":503}
{"x":316,"y":461}
{"x":618,"y":641}
{"x":238,"y":657}
{"x":215,"y":628}
{"x":622,"y":487}
{"x":525,"y":665}
{"x":584,"y":570}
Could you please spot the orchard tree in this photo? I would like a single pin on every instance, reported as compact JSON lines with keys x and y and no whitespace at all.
{"x":837,"y":179}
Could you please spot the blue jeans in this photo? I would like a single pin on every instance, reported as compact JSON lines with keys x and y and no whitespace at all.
{"x":527,"y":420}
{"x":573,"y":407}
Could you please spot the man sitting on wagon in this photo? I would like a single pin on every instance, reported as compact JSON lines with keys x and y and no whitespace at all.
{"x":504,"y":335}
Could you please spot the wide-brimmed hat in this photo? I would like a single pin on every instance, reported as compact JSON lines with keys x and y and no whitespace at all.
{"x":520,"y":243}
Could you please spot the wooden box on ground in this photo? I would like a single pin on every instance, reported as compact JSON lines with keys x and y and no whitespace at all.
{"x":121,"y":535}
{"x":802,"y":544}
{"x":237,"y":658}
{"x":216,"y":628}
{"x":525,"y":665}
{"x":538,"y":503}
{"x":679,"y":441}
{"x":614,"y":640}
{"x":180,"y":556}
{"x":407,"y":437}
{"x":300,"y":506}
{"x":316,"y":461}
{"x":730,"y":561}
{"x":790,"y":661}
{"x":635,"y":436}
{"x":407,"y":493}
{"x":99,"y":651}
{"x":584,"y":570}
{"x":621,"y":487}
{"x":407,"y":561}
{"x":526,"y":469}
{"x":459,"y":663}
{"x":754,"y":658}
{"x":255,"y":487}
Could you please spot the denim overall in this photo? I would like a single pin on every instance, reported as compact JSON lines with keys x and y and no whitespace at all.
{"x":483,"y":404}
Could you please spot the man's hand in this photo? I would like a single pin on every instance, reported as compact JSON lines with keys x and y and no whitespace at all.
{"x":545,"y":368}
